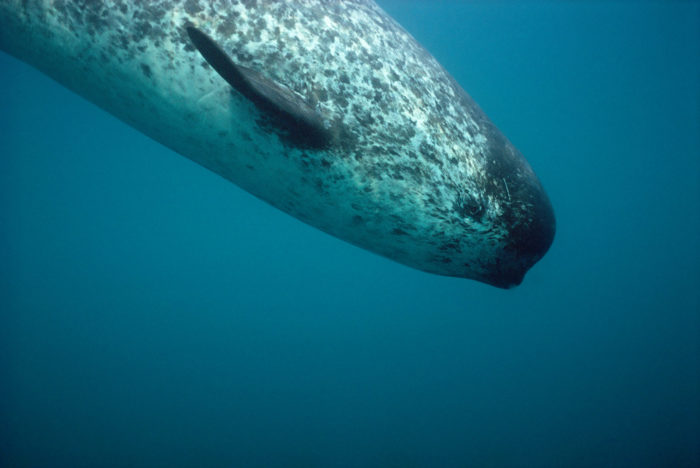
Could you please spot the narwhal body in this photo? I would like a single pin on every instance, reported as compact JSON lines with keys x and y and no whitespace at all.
{"x":329,"y":111}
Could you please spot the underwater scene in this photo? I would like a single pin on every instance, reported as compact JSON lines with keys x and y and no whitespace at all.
{"x":154,"y":314}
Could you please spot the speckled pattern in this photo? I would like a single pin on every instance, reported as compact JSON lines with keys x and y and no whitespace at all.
{"x":415,"y":171}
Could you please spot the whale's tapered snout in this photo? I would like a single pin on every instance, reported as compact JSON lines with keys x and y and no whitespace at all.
{"x":532,"y":227}
{"x":536,"y":236}
{"x":526,"y":215}
{"x":531,"y":234}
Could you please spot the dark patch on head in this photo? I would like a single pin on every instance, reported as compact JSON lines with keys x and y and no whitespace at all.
{"x":469,"y":205}
{"x":527,"y":213}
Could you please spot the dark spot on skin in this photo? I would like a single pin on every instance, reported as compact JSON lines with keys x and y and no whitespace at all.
{"x":376,"y":84}
{"x":399,"y":232}
{"x":363,"y":117}
{"x":450,"y":247}
{"x":192,"y":7}
{"x":428,"y":153}
{"x":227,"y":28}
{"x":357,"y":219}
{"x":243,"y":57}
{"x":250,"y":3}
{"x":143,"y":28}
{"x":146,"y":70}
{"x":469,"y":206}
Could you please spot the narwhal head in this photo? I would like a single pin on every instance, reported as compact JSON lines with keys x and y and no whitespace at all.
{"x":512,"y":203}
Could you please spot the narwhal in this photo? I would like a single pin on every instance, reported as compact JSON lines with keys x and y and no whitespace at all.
{"x":328,"y":110}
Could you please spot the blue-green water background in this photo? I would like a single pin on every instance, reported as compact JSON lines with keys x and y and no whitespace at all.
{"x":154,"y":314}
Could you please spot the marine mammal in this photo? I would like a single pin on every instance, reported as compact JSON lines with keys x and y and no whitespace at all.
{"x":339,"y":117}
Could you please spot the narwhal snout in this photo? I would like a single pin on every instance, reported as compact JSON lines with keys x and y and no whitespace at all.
{"x":525,"y":215}
{"x":530,"y":223}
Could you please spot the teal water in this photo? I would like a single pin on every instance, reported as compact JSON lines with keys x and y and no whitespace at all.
{"x":153,"y":314}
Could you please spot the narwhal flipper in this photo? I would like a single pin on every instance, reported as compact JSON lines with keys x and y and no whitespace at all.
{"x":302,"y":125}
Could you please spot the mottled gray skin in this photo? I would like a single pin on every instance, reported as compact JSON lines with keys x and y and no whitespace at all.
{"x":415,"y":171}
